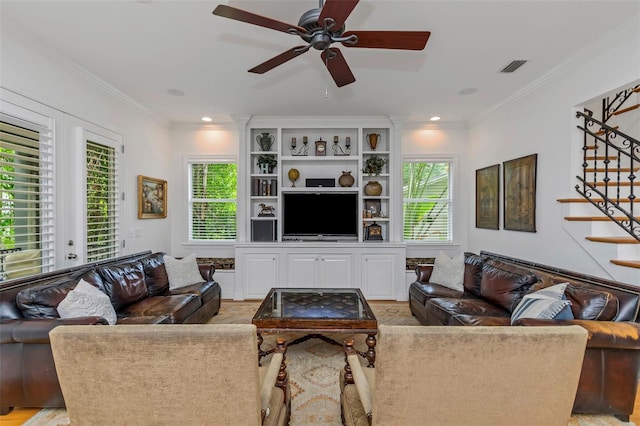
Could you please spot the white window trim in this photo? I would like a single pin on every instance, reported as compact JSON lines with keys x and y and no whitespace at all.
{"x":453,"y":171}
{"x":199,"y":159}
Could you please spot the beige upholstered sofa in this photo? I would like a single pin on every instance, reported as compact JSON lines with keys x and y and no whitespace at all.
{"x":200,"y":374}
{"x":465,"y":376}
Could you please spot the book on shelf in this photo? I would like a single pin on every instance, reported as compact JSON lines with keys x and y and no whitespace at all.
{"x":264,"y":187}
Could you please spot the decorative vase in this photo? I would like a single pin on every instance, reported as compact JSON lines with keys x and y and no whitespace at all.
{"x":346,"y":179}
{"x":265,"y":141}
{"x":373,"y":139}
{"x":373,"y":188}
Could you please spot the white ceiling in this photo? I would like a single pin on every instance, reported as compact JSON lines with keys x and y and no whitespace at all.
{"x":144,"y":48}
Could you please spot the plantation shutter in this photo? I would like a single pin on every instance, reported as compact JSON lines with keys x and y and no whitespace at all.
{"x":426,"y":201}
{"x":213,"y":201}
{"x":26,"y":198}
{"x":102,"y":207}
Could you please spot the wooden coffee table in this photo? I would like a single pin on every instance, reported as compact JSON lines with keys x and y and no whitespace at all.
{"x":312,"y":310}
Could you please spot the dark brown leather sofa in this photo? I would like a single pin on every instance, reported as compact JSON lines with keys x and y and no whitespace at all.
{"x":138,"y":287}
{"x":494,"y":284}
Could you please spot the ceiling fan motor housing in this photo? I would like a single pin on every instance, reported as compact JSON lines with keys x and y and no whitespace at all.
{"x":316,"y":35}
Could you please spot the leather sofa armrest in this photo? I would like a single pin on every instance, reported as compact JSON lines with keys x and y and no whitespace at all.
{"x":423,"y":273}
{"x":207,"y":271}
{"x":32,"y":331}
{"x":602,"y":334}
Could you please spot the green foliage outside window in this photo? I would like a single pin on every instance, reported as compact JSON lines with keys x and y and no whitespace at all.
{"x":7,"y":230}
{"x":213,"y":201}
{"x":426,"y":202}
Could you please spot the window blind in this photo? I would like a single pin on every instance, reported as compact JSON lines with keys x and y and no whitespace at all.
{"x":426,"y":201}
{"x":213,"y":201}
{"x":26,"y":198}
{"x":102,"y":207}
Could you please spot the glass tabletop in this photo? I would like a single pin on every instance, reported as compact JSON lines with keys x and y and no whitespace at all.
{"x":308,"y":303}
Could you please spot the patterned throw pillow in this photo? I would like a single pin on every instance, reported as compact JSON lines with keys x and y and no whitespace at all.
{"x":448,"y":272}
{"x":182,"y":272}
{"x":86,"y":301}
{"x":548,"y":303}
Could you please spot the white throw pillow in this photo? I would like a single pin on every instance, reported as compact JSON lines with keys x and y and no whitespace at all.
{"x":86,"y":301}
{"x":448,"y":272}
{"x":547,"y":303}
{"x":182,"y":272}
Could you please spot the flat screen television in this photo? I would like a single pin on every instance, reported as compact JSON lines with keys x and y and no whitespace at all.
{"x":320,"y":216}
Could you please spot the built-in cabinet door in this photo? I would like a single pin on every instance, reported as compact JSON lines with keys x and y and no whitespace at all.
{"x":336,"y":271}
{"x":302,"y":270}
{"x":379,"y":276}
{"x":260,"y":275}
{"x":320,"y":270}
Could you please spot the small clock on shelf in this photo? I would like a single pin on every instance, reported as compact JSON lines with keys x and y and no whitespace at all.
{"x":321,"y":147}
{"x":373,"y":232}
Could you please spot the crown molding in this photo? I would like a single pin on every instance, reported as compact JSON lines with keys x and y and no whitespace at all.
{"x":570,"y":64}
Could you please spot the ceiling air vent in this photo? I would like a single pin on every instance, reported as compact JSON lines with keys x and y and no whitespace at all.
{"x":514,"y":65}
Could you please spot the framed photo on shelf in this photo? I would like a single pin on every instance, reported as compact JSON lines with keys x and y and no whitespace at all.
{"x":519,"y":177}
{"x":152,"y":198}
{"x":372,"y":208}
{"x":488,"y":197}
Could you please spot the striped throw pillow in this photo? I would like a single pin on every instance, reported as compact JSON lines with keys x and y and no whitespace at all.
{"x":548,"y":303}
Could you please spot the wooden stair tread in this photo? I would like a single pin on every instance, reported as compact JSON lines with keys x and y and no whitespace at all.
{"x":612,"y":169}
{"x":603,"y":131}
{"x":596,"y":218}
{"x":628,"y":263}
{"x":622,"y":111}
{"x":601,"y":157}
{"x":614,"y":240}
{"x":585,"y":200}
{"x":611,"y":183}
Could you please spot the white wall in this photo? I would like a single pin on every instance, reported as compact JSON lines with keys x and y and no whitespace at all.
{"x":30,"y":70}
{"x":543,"y":122}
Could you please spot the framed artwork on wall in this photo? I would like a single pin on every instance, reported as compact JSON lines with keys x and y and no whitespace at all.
{"x":152,"y":198}
{"x":520,"y":193}
{"x":488,"y":197}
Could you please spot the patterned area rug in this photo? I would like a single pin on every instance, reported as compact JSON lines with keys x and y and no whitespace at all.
{"x":314,"y":366}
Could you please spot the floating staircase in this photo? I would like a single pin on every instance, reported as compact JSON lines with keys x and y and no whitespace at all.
{"x":602,"y":218}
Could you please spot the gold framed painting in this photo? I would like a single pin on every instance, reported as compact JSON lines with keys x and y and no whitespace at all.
{"x":152,"y":198}
{"x":488,"y":197}
{"x":520,"y":193}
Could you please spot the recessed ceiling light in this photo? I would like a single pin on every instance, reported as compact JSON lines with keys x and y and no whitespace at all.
{"x":468,"y":91}
{"x":175,"y":92}
{"x":434,"y":118}
{"x":207,"y":119}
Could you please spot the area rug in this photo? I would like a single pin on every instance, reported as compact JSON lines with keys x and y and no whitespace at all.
{"x":314,"y":366}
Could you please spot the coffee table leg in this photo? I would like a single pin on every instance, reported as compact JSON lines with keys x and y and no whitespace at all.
{"x":371,"y":352}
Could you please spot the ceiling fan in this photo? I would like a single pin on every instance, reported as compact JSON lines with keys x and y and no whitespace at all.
{"x":321,"y":27}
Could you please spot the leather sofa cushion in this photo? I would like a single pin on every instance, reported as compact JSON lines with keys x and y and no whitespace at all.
{"x":155,"y":274}
{"x":124,"y":283}
{"x":473,"y":273}
{"x":442,"y":311}
{"x":42,"y":300}
{"x":480,"y":320}
{"x":206,"y":290}
{"x":177,"y":307}
{"x":423,"y":273}
{"x":423,"y":291}
{"x":160,"y":319}
{"x":504,"y":284}
{"x":590,"y":304}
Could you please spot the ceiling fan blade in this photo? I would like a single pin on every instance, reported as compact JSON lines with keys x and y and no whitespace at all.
{"x":251,"y":18}
{"x":279,"y":60}
{"x":338,"y":67}
{"x":339,"y":10}
{"x":406,"y":40}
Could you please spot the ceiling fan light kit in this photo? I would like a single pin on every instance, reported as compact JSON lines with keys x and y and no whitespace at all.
{"x":320,"y":28}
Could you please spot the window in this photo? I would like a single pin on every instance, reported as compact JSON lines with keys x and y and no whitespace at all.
{"x":212,"y":200}
{"x":102,"y":211}
{"x":426,"y":201}
{"x":26,"y":198}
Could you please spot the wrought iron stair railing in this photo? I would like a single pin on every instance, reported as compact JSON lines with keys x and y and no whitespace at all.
{"x":613,"y":155}
{"x":611,"y":107}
